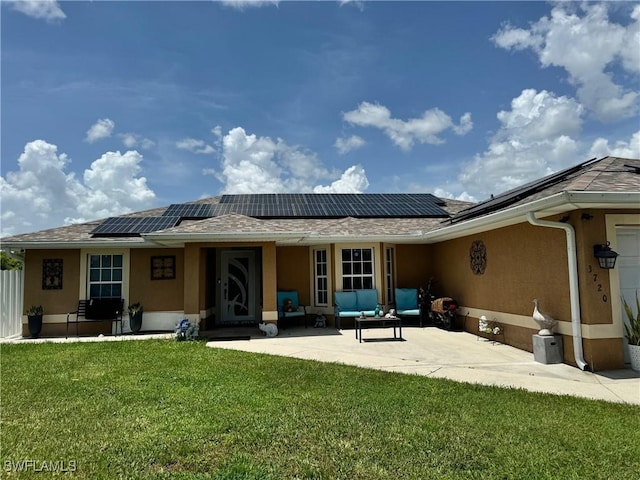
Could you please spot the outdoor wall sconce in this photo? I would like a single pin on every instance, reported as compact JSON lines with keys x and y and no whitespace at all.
{"x":606,"y":257}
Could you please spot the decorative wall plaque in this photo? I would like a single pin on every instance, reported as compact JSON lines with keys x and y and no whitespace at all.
{"x":52,"y":274}
{"x":478,"y":257}
{"x":163,"y":267}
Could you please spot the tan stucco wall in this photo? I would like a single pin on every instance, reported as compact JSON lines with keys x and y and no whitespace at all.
{"x":191,"y":286}
{"x":413,"y":265}
{"x":293,"y":271}
{"x":601,"y":354}
{"x":523,"y":262}
{"x":594,"y":281}
{"x":526,"y":262}
{"x":156,"y":295}
{"x":53,"y":301}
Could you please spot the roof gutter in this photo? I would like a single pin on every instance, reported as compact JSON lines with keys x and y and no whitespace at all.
{"x":69,"y":245}
{"x":301,"y":238}
{"x":573,"y":284}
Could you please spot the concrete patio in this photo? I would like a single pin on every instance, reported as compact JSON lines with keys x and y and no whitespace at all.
{"x":436,"y":353}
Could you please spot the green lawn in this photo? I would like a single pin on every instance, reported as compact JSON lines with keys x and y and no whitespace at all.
{"x":161,"y":409}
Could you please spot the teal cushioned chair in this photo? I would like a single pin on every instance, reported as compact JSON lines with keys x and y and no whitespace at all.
{"x":298,"y":311}
{"x":407,"y":303}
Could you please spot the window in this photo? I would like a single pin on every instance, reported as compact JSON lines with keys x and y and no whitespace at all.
{"x":357,"y":268}
{"x":105,"y":276}
{"x":321,"y":274}
{"x":388,"y":271}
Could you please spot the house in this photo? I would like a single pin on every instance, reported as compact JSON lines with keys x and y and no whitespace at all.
{"x":221,"y":260}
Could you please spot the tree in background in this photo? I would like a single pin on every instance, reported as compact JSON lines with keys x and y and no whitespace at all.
{"x":8,"y":263}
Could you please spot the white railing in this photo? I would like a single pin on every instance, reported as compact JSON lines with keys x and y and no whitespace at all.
{"x":11,"y":302}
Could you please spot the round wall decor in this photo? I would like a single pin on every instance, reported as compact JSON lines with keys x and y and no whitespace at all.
{"x":478,"y":257}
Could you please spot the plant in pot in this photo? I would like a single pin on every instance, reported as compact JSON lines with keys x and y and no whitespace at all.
{"x":135,"y":317}
{"x":34,"y":314}
{"x":632,"y":332}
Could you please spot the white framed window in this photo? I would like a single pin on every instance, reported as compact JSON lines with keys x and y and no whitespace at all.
{"x":389,"y":274}
{"x":357,"y":268}
{"x":105,"y":275}
{"x":321,"y":276}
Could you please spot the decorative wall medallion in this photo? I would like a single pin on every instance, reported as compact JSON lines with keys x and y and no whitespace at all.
{"x":52,"y":274}
{"x":478,"y":257}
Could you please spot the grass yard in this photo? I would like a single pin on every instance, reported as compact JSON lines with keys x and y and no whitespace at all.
{"x":166,"y":409}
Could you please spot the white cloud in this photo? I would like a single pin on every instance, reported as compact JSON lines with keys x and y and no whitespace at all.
{"x":132,"y":140}
{"x":252,"y":164}
{"x":353,"y":180}
{"x":244,"y":4}
{"x":536,"y":116}
{"x":195,"y":146}
{"x":630,"y":149}
{"x":114,"y":187}
{"x":345,"y":145}
{"x":405,"y":133}
{"x":463,"y":197}
{"x":103,"y":128}
{"x":536,"y":137}
{"x":587,"y":46}
{"x":359,"y":4}
{"x":48,"y":10}
{"x":41,"y":194}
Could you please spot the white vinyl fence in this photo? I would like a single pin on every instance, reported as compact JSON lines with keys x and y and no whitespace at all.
{"x":11,"y":300}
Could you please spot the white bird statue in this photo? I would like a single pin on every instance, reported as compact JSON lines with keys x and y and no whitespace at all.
{"x":545,"y":322}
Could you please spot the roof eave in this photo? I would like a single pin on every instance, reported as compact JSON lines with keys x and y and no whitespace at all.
{"x":70,"y":244}
{"x":280,"y":238}
{"x":559,"y":203}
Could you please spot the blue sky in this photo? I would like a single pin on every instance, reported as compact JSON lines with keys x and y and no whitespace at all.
{"x":114,"y":107}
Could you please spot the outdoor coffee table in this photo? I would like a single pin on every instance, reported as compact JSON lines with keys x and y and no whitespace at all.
{"x":382,"y":322}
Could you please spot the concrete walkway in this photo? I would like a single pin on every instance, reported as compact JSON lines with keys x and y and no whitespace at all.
{"x":436,"y":353}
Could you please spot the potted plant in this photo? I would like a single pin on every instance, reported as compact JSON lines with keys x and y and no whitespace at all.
{"x":34,"y":314}
{"x":135,"y":317}
{"x":632,"y":332}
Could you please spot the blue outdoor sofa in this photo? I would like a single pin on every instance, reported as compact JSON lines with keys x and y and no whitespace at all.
{"x":352,"y":304}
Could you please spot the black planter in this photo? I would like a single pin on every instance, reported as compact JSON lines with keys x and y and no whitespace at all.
{"x":35,"y":325}
{"x":135,"y":322}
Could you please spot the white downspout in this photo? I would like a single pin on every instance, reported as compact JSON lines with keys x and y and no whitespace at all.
{"x":574,"y":292}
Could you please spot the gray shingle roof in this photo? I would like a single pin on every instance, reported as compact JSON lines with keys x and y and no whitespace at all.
{"x":610,"y":174}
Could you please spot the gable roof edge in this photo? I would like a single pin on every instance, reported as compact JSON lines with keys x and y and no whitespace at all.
{"x":558,"y":203}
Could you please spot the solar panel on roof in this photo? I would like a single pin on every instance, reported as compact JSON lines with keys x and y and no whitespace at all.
{"x":519,"y":193}
{"x":133,"y":226}
{"x":189,"y":210}
{"x":312,"y":205}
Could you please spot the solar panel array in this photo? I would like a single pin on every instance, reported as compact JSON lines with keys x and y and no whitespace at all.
{"x":514,"y":195}
{"x":283,"y":205}
{"x":131,"y":226}
{"x":313,"y":205}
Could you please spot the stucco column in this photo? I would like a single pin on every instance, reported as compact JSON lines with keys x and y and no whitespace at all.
{"x":269,"y":283}
{"x":192,"y":282}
